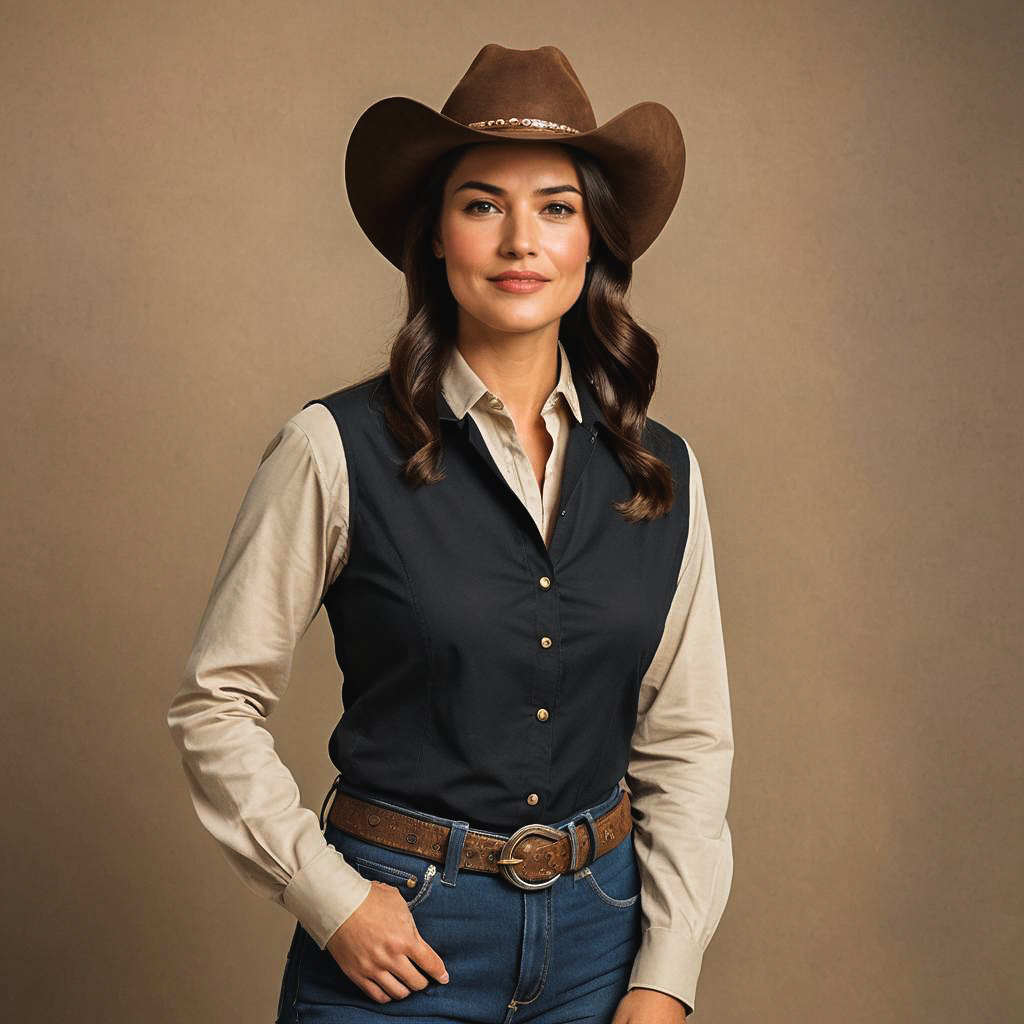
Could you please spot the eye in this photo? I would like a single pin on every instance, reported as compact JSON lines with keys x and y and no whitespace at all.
{"x":478,"y":202}
{"x":562,"y":210}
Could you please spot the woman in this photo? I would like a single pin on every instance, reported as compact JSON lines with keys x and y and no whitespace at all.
{"x":517,"y":567}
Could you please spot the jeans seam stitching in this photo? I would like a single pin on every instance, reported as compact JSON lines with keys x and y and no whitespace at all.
{"x":399,"y":872}
{"x":298,"y":975}
{"x":611,"y":900}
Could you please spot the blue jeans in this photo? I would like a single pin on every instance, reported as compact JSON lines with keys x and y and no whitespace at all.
{"x":554,"y":955}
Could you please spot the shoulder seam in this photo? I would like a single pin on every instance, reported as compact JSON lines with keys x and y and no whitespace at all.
{"x":313,"y":452}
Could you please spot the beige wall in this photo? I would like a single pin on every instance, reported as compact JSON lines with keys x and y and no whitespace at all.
{"x":838,"y":299}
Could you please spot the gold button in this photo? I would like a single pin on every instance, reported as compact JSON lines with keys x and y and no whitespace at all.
{"x":545,"y":582}
{"x":542,"y":714}
{"x":496,"y":402}
{"x":545,"y":641}
{"x":410,"y":882}
{"x":532,"y":798}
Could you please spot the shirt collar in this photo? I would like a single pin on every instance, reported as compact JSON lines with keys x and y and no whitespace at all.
{"x":462,"y":388}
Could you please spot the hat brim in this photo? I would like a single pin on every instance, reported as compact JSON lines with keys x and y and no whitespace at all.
{"x":395,"y":141}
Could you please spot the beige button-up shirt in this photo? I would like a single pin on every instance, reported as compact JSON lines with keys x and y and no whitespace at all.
{"x":288,"y":544}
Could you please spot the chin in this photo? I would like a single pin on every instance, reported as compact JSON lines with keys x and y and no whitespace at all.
{"x":518,"y":325}
{"x":509,"y":316}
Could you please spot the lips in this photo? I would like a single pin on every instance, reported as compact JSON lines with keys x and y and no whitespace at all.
{"x":518,"y":275}
{"x":518,"y":284}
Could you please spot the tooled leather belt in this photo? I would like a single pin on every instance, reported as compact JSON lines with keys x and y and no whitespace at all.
{"x":532,"y":857}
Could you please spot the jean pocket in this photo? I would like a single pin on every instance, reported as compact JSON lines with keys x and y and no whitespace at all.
{"x":411,"y":875}
{"x":615,"y":876}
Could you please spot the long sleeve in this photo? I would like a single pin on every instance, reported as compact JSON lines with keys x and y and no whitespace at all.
{"x":287,"y":544}
{"x":679,"y":775}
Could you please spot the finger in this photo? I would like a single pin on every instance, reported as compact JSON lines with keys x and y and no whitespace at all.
{"x":373,"y":990}
{"x":391,"y":985}
{"x":405,"y":971}
{"x":425,"y":957}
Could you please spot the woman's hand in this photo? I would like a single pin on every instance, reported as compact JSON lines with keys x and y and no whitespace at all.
{"x":648,"y":1006}
{"x":379,"y":947}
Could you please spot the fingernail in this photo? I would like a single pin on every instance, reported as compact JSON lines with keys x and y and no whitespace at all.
{"x":444,"y":978}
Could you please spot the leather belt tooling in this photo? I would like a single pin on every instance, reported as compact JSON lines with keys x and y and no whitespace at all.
{"x":532,"y":857}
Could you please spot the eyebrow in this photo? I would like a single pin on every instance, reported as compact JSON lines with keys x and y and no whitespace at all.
{"x":496,"y":190}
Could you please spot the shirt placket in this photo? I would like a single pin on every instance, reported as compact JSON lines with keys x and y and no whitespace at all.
{"x":518,"y":469}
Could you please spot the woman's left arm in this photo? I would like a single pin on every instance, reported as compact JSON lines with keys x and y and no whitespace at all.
{"x":679,"y":774}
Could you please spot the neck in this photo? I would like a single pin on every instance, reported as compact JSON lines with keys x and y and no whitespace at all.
{"x":520,"y":368}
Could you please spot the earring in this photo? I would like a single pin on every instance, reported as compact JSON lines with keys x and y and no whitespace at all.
{"x":588,"y":259}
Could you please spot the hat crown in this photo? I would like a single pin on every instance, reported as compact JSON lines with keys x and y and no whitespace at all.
{"x":504,"y":83}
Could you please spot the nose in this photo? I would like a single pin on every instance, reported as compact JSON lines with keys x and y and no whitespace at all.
{"x":520,"y":232}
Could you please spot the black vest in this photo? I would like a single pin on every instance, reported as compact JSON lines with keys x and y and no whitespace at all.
{"x":455,"y":625}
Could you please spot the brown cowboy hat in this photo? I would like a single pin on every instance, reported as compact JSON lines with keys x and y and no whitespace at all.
{"x":511,"y":94}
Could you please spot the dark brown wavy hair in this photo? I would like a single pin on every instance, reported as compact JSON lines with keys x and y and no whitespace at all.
{"x":618,"y":357}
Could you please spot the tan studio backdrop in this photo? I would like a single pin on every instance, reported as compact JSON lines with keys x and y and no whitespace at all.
{"x":838,"y":302}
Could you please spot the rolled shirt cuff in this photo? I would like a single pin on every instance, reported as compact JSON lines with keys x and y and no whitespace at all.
{"x":324,"y":893}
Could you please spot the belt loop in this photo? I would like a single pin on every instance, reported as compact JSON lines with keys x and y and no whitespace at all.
{"x":592,"y":829}
{"x":323,"y":807}
{"x":453,"y":855}
{"x":574,"y":847}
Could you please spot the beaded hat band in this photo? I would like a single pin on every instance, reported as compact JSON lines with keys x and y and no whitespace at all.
{"x":508,"y":123}
{"x":396,"y":140}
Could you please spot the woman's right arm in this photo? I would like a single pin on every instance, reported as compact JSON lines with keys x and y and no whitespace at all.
{"x":288,"y":543}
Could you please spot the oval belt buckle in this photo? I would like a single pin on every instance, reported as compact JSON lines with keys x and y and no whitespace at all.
{"x":507,"y":861}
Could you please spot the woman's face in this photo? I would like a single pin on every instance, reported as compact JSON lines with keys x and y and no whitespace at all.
{"x":511,"y":206}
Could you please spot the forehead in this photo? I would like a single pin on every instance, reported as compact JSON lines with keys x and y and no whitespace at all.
{"x":512,"y":163}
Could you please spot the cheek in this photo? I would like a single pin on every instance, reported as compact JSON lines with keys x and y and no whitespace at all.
{"x":569,"y":253}
{"x":466,"y":248}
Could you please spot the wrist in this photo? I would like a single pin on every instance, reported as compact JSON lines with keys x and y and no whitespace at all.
{"x":656,"y":995}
